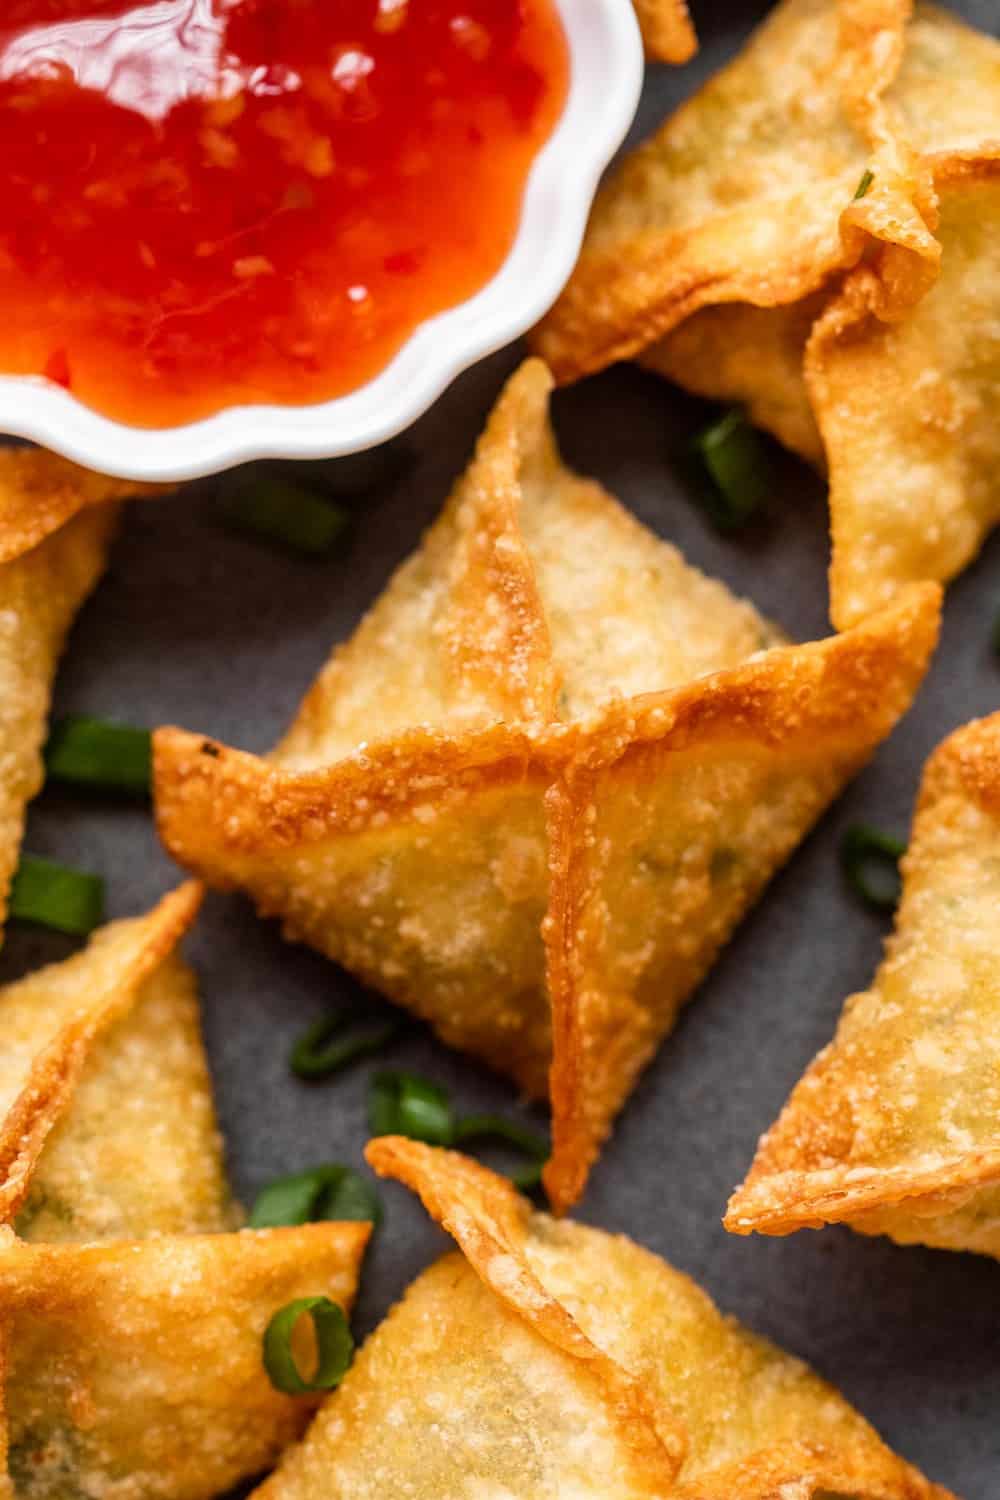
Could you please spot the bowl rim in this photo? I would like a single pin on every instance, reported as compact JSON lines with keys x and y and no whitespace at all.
{"x":605,"y":80}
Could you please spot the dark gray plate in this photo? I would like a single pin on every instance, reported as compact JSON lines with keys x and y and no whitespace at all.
{"x":198,"y":627}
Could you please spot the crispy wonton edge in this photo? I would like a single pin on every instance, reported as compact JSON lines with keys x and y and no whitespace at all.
{"x":488,"y":1219}
{"x":40,"y":492}
{"x":864,"y":300}
{"x":209,"y":796}
{"x":621,"y":300}
{"x":56,"y":1071}
{"x":966,"y":763}
{"x":668,"y":34}
{"x":817,"y":694}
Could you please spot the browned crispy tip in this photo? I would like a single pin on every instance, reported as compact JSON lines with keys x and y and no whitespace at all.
{"x":748,"y":193}
{"x":667,"y":30}
{"x":892,"y":1129}
{"x":704,"y":1410}
{"x":108,"y":979}
{"x":666,"y":829}
{"x":905,"y":403}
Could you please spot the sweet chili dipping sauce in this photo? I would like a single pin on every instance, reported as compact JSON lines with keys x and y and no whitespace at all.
{"x":205,"y":202}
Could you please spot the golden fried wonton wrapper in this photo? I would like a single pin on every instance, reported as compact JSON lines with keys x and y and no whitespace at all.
{"x":947,"y":99}
{"x":910,"y":410}
{"x":548,"y":722}
{"x":134,"y":1368}
{"x":666,"y":30}
{"x":131,"y":1364}
{"x":895,"y":1128}
{"x":40,"y":492}
{"x":40,"y":594}
{"x":107,"y":1127}
{"x":551,"y":1359}
{"x":752,"y":356}
{"x":746,"y":194}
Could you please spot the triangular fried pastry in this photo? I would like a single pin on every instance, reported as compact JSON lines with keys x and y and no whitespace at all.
{"x":551,"y":1359}
{"x":747,"y":194}
{"x":599,"y":739}
{"x":895,"y":1128}
{"x":130,"y":1330}
{"x":133,"y":1368}
{"x":40,"y":492}
{"x":107,"y":1127}
{"x":736,"y":352}
{"x":908,"y":408}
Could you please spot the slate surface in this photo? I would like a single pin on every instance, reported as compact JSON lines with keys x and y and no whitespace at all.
{"x":195,"y":626}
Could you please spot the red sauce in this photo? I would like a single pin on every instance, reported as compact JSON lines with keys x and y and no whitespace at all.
{"x":205,"y":202}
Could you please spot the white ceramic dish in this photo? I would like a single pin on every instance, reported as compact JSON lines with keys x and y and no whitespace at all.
{"x":605,"y":80}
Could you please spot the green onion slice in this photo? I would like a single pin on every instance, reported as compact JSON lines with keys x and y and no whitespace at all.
{"x":737,"y":464}
{"x":403,"y":1104}
{"x":870,"y":861}
{"x":320,"y":1051}
{"x":494,"y":1127}
{"x":867,"y":178}
{"x":277,"y":510}
{"x":98,"y":753}
{"x":56,"y":896}
{"x":334,"y":1346}
{"x":330,"y":1191}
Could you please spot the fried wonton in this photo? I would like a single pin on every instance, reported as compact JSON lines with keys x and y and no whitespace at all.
{"x":550,"y":725}
{"x":746,"y":195}
{"x":910,"y":409}
{"x":895,"y":1128}
{"x":40,"y":593}
{"x":40,"y":492}
{"x":550,"y":1359}
{"x":107,"y":1127}
{"x":753,"y":357}
{"x":133,"y":1368}
{"x":130,"y":1329}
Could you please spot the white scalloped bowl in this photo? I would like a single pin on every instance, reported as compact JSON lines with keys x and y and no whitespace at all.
{"x":605,"y":80}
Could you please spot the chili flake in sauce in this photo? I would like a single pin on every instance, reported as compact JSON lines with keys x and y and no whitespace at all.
{"x":210,"y":202}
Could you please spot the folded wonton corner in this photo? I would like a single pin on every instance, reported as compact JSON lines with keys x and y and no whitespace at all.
{"x":746,"y":194}
{"x":909,"y":408}
{"x":549,"y":1358}
{"x":535,"y":792}
{"x":130,"y":1323}
{"x":719,"y":243}
{"x":40,"y":492}
{"x":895,"y":1128}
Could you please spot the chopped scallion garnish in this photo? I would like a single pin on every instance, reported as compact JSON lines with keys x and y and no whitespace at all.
{"x":870,"y":861}
{"x":321,"y":1051}
{"x":334,"y":1346}
{"x":280,"y":511}
{"x":56,"y":896}
{"x":97,"y":753}
{"x":327,"y":1192}
{"x":867,"y":178}
{"x":403,"y":1104}
{"x":737,"y":464}
{"x":494,"y":1127}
